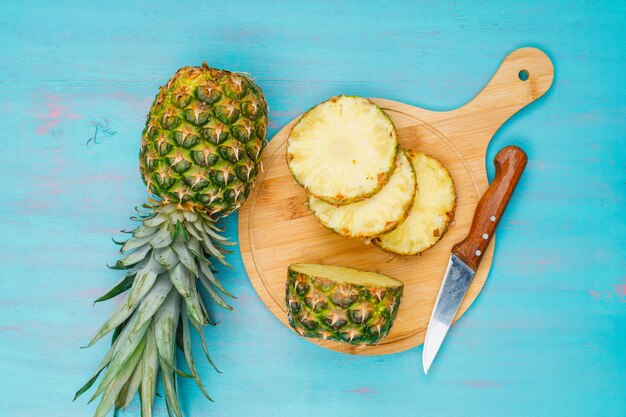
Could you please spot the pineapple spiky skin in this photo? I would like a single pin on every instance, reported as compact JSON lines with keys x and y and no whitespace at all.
{"x":346,"y":305}
{"x":203,"y":138}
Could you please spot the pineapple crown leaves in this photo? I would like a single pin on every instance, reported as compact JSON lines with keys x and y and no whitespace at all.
{"x":166,"y":259}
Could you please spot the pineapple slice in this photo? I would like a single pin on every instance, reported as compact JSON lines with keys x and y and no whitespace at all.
{"x":342,"y":150}
{"x":378,"y":214}
{"x":347,"y":305}
{"x":431,"y":213}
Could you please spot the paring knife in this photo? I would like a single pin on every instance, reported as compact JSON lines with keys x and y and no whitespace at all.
{"x":466,"y":255}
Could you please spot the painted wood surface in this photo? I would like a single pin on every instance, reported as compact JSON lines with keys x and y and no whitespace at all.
{"x":276,"y":229}
{"x":546,"y":337}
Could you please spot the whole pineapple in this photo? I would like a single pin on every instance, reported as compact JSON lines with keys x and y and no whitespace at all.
{"x":199,"y":154}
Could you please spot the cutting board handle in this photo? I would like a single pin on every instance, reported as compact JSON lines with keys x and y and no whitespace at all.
{"x":524,"y":75}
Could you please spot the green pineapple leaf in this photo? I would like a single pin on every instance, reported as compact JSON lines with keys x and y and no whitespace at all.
{"x":161,"y":239}
{"x":149,"y":371}
{"x":113,"y":388}
{"x":185,"y":256}
{"x":141,"y":285}
{"x":119,"y":288}
{"x":208,"y":274}
{"x":214,"y":294}
{"x":181,"y":232}
{"x":198,"y":328}
{"x":186,"y":341}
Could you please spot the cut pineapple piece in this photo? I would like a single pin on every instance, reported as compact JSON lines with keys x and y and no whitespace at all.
{"x":432,"y":210}
{"x":347,"y":305}
{"x":378,"y":214}
{"x":342,"y":150}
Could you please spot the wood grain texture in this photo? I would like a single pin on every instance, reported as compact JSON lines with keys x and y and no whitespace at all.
{"x":545,"y":336}
{"x":276,"y":228}
{"x":510,"y":163}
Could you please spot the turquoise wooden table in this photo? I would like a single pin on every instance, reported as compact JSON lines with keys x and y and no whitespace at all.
{"x":547,"y":336}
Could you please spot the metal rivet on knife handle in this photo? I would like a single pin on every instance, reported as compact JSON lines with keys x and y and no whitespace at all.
{"x":510,"y":163}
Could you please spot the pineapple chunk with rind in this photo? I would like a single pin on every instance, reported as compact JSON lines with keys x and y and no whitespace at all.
{"x":343,"y":304}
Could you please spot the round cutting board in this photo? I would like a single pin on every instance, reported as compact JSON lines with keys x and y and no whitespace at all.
{"x":277,"y":229}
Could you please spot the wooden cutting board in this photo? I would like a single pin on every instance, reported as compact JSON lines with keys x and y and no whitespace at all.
{"x":276,"y":228}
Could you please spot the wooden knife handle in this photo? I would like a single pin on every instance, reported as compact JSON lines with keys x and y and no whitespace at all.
{"x":510,"y":163}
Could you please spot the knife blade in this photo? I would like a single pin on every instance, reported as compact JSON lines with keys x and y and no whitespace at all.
{"x":467,"y":254}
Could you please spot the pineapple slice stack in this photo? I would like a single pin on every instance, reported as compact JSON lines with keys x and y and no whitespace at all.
{"x":380,"y":213}
{"x":430,"y":214}
{"x":361,"y":184}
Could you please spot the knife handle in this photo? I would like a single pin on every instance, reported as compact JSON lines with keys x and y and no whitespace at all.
{"x":510,"y":163}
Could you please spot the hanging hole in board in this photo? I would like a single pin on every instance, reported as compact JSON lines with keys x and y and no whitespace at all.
{"x":523,"y":75}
